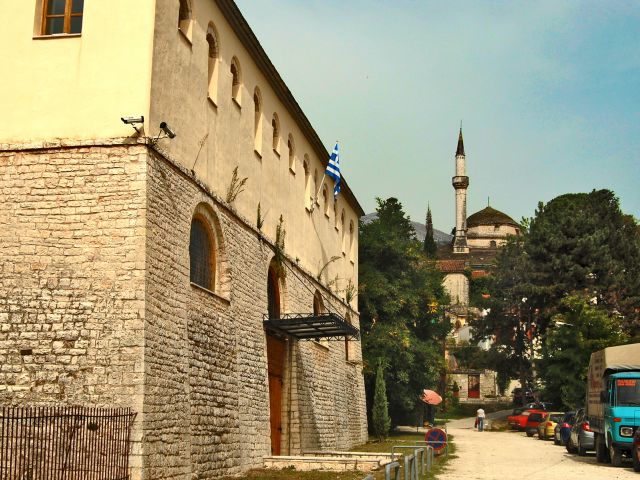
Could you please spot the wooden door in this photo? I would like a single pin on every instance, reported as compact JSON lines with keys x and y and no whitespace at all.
{"x":275,"y":358}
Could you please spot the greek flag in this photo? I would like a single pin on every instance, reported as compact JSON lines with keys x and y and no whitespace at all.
{"x":333,"y":170}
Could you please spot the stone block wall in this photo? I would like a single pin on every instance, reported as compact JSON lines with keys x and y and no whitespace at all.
{"x":206,"y":367}
{"x":72,"y":233}
{"x":96,"y":308}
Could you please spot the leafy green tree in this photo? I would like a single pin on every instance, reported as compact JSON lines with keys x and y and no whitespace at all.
{"x":396,"y":286}
{"x":583,"y":242}
{"x":381,"y":423}
{"x":430,"y":246}
{"x":577,"y":330}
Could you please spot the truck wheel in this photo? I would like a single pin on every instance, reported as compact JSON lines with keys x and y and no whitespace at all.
{"x":636,"y":460}
{"x":616,"y":456}
{"x":601,"y":449}
{"x":529,"y":433}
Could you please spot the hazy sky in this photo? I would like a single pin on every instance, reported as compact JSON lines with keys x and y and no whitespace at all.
{"x":548,"y":92}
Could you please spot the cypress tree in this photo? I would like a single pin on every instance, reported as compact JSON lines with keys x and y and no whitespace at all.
{"x":381,"y":422}
{"x":430,"y":246}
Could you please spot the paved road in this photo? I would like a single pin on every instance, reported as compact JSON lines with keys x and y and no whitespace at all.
{"x":512,"y":455}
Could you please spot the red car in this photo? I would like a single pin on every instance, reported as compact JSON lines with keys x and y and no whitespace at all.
{"x":533,"y":420}
{"x":518,"y":420}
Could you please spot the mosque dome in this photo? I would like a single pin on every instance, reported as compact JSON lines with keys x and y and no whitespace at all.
{"x":490,"y":216}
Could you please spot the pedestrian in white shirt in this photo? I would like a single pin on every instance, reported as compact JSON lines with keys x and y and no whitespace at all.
{"x":480,"y":419}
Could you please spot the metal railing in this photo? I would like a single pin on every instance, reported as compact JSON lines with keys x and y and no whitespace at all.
{"x":70,"y":443}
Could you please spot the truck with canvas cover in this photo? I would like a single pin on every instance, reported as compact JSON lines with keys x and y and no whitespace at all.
{"x":613,"y":400}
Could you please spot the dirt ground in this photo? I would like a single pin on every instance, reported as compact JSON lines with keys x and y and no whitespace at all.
{"x":512,"y":455}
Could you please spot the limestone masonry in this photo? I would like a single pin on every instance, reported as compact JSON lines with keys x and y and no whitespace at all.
{"x":135,"y":272}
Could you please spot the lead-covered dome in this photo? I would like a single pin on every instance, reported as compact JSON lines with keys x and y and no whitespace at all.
{"x":490,"y":216}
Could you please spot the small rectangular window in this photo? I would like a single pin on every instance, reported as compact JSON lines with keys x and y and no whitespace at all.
{"x":60,"y":17}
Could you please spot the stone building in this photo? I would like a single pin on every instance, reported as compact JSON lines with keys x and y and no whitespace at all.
{"x":146,"y":262}
{"x":471,"y":254}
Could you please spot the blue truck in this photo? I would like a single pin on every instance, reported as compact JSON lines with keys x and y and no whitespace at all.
{"x":613,"y":401}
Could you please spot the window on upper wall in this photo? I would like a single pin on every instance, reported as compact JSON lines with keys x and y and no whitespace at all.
{"x":185,"y":19}
{"x":236,"y":80}
{"x":257,"y":124}
{"x":343,"y":235}
{"x":325,"y":199}
{"x":291,"y":146}
{"x":308,"y":198}
{"x":202,"y":255}
{"x":275,"y":124}
{"x":352,"y":243}
{"x":60,"y":17}
{"x":214,"y":53}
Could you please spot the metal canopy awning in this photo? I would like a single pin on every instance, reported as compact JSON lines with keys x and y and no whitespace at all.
{"x":306,"y":326}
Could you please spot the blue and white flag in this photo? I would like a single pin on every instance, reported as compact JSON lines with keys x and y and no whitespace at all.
{"x":333,"y":170}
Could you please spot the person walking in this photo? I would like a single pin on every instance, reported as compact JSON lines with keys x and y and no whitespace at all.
{"x":480,"y":419}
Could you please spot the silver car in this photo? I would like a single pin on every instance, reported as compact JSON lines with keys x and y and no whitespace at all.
{"x":581,"y":437}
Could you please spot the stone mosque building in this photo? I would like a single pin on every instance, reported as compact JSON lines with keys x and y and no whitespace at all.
{"x":475,"y":243}
{"x":163,"y":247}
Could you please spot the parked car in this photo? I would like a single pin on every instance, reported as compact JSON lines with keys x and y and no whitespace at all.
{"x":548,"y":423}
{"x":534,"y":419}
{"x":635,"y":450}
{"x":563,"y":428}
{"x":581,"y":437}
{"x":519,"y":421}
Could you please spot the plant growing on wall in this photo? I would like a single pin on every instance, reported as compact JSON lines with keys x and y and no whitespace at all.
{"x":350,"y":292}
{"x":236,"y":187}
{"x":279,"y":250}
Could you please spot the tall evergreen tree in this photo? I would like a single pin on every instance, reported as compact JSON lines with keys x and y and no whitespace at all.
{"x":380,"y":421}
{"x":430,"y":246}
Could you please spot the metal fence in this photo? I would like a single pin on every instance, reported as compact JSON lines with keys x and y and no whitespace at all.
{"x":65,"y":443}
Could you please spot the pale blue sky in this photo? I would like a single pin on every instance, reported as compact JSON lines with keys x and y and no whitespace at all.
{"x":548,"y":92}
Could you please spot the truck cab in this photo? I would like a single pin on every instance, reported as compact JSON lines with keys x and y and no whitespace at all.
{"x":621,"y":405}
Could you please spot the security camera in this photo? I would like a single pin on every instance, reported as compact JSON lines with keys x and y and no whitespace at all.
{"x":167,"y":130}
{"x":132,"y":120}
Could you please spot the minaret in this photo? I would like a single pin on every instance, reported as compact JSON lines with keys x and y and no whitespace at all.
{"x":460,"y":183}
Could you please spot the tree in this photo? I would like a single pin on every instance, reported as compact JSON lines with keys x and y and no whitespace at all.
{"x":579,"y":246}
{"x":583,"y":242}
{"x":430,"y":246}
{"x":380,"y":421}
{"x":578,"y":330}
{"x":397,"y":285}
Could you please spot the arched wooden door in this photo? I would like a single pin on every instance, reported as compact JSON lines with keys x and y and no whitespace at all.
{"x":276,"y":350}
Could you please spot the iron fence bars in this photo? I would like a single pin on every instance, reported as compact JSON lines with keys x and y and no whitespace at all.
{"x":65,"y":443}
{"x":392,"y":471}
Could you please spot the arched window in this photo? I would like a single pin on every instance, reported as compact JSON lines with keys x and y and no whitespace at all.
{"x":347,"y":347}
{"x":343,"y":234}
{"x":308,"y":196}
{"x":257,"y":124}
{"x":275,"y":125}
{"x":185,"y":19}
{"x":352,"y":243}
{"x":273,"y":292}
{"x":214,"y":54}
{"x":314,"y":194}
{"x":236,"y":80}
{"x":492,"y":244}
{"x":325,"y":199}
{"x":291,"y":147}
{"x":318,"y":304}
{"x":202,"y":255}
